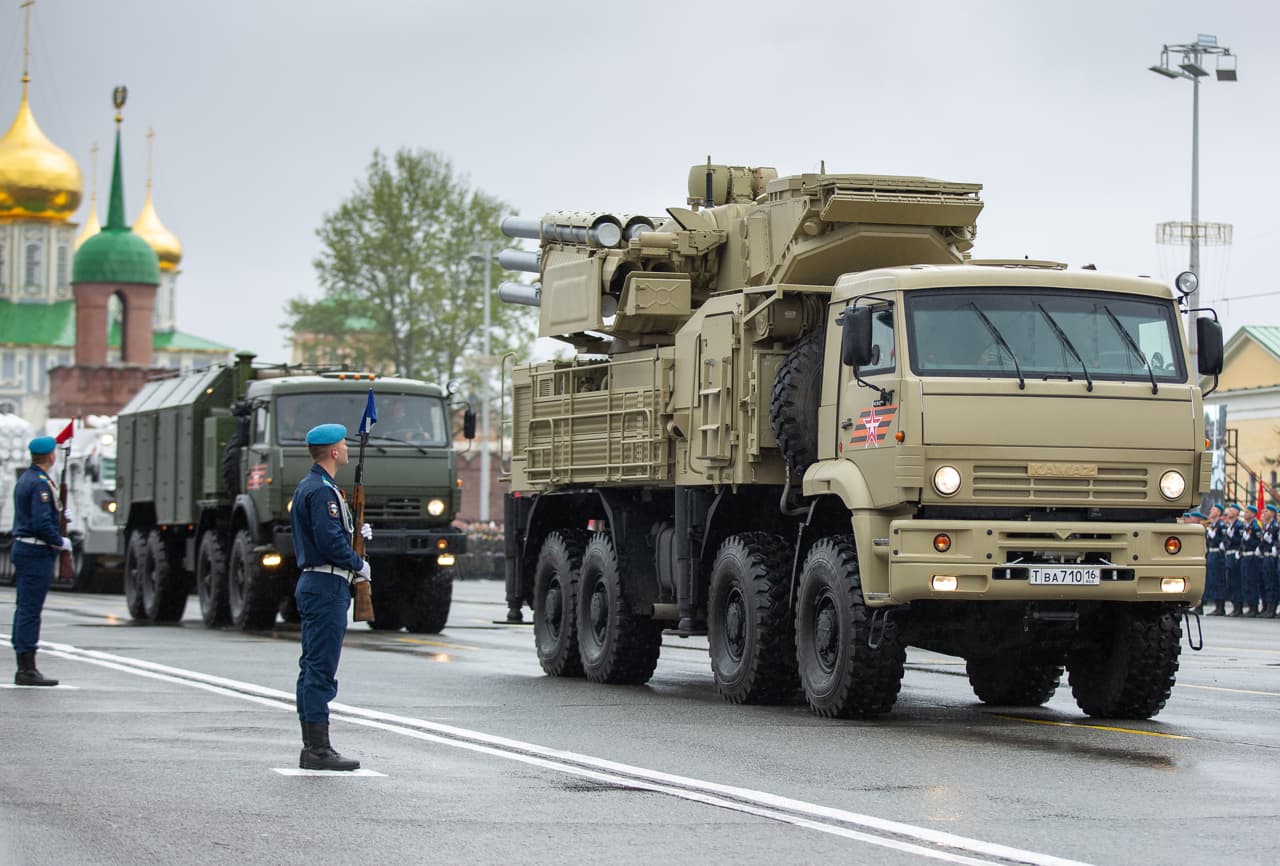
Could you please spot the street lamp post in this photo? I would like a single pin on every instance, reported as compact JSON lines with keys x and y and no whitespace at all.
{"x":486,"y":256}
{"x":1191,"y":67}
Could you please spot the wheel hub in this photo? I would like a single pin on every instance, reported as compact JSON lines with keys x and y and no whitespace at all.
{"x":554,"y":603}
{"x":826,"y":636}
{"x":735,"y":625}
{"x":599,"y":613}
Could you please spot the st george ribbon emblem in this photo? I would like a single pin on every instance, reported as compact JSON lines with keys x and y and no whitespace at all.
{"x":873,"y":426}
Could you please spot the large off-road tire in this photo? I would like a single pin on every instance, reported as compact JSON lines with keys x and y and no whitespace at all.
{"x":616,"y":644}
{"x":432,"y":598}
{"x":135,"y":568}
{"x":230,"y":465}
{"x":1016,"y":679}
{"x":750,"y":628}
{"x":555,"y":602}
{"x":252,"y":597}
{"x":793,"y":404}
{"x":8,"y":577}
{"x":392,"y":595}
{"x":841,"y":675}
{"x":86,"y":568}
{"x":1125,"y":661}
{"x":164,"y":583}
{"x":211,"y":579}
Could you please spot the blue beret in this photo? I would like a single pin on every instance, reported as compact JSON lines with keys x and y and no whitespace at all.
{"x":1272,"y":509}
{"x":42,"y":445}
{"x":1235,"y":505}
{"x":1219,"y":506}
{"x":1196,"y":514}
{"x":326,"y":434}
{"x":1251,"y":508}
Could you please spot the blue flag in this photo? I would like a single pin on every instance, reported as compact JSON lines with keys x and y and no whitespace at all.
{"x":370,"y":416}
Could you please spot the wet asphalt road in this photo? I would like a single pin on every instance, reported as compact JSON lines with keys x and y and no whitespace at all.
{"x":164,"y":748}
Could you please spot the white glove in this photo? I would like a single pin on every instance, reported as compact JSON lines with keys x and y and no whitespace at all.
{"x":366,"y":531}
{"x":365,"y":572}
{"x":66,"y":544}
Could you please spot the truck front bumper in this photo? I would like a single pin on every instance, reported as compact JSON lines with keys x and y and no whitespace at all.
{"x":395,"y":542}
{"x":995,"y":561}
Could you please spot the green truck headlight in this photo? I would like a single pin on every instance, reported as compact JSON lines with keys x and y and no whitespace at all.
{"x":435,"y":507}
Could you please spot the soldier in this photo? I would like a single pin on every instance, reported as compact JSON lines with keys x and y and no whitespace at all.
{"x":37,"y":543}
{"x":1234,"y":530}
{"x":322,"y":527}
{"x":1270,"y":578}
{"x":1215,"y":542}
{"x":1250,"y":560}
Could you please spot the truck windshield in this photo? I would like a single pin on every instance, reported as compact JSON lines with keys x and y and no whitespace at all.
{"x":951,"y":333}
{"x":409,"y":419}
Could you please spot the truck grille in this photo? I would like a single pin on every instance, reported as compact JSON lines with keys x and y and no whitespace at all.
{"x":387,"y":508}
{"x":1013,"y":481}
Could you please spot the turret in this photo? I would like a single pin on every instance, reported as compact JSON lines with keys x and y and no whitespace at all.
{"x":637,"y":279}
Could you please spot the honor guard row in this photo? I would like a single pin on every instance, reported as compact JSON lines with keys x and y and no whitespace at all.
{"x":1241,"y":559}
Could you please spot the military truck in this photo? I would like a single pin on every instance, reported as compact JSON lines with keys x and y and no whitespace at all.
{"x":97,"y":552}
{"x":206,"y":468}
{"x":804,"y":422}
{"x":15,"y":433}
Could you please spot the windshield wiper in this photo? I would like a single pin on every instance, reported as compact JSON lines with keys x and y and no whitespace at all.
{"x":1155,"y":389}
{"x":1066,"y":342}
{"x":999,"y":338}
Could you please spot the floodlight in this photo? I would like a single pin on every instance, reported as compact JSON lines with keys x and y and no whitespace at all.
{"x":1227,"y":68}
{"x":1207,"y":39}
{"x":1192,"y":68}
{"x":1165,"y":71}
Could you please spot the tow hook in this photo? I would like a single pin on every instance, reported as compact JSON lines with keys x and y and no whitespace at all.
{"x":879,"y":625}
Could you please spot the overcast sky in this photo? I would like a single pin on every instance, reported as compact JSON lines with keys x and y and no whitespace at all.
{"x":267,"y":112}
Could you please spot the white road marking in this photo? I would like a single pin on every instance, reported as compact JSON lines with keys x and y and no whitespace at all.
{"x":295,"y":771}
{"x":896,"y":835}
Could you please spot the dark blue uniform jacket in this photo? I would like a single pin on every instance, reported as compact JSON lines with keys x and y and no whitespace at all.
{"x":322,"y":524}
{"x":35,"y":513}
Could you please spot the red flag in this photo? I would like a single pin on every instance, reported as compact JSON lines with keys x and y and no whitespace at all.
{"x":67,"y":432}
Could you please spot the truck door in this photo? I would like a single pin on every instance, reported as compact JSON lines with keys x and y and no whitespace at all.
{"x":258,"y":470}
{"x":867,"y":417}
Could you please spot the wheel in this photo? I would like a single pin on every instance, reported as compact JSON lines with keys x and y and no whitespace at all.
{"x":135,"y":568}
{"x":391,"y":595}
{"x":1013,"y":680}
{"x":211,"y":579}
{"x":1125,"y":664}
{"x":793,"y":404}
{"x":750,"y":630}
{"x":7,"y":575}
{"x":251,"y":595}
{"x":289,"y":606}
{"x":841,"y":674}
{"x":555,"y":596}
{"x":616,"y":644}
{"x":164,"y":585}
{"x":86,"y":566}
{"x":432,"y":598}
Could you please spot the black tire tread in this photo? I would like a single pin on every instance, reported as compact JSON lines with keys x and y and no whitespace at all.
{"x":1016,"y":680}
{"x":260,"y":603}
{"x":432,"y":600}
{"x":772,"y":677}
{"x":631,"y":657}
{"x":135,"y":563}
{"x":1130,"y":672}
{"x":170,"y":599}
{"x":211,"y":571}
{"x":870,"y":685}
{"x":562,"y":547}
{"x":793,"y":402}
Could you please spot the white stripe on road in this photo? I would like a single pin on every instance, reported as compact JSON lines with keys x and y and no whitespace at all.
{"x":337,"y":774}
{"x":908,"y":838}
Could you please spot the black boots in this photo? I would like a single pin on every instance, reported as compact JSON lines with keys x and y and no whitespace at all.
{"x":27,"y":674}
{"x":1219,"y":608}
{"x":317,"y":754}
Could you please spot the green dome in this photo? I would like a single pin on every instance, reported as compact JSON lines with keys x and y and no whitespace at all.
{"x":116,"y":256}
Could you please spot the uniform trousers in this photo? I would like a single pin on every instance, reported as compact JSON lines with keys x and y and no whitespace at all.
{"x":1270,"y":582}
{"x":1250,"y":579}
{"x":1235,"y":592}
{"x":1215,"y":578}
{"x":323,"y":600}
{"x":33,"y":569}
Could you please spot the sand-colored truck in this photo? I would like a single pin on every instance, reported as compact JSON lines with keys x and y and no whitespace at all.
{"x":803,"y":421}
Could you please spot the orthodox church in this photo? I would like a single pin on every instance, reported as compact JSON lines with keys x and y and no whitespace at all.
{"x":41,"y":259}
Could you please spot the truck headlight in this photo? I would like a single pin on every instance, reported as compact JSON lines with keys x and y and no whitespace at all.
{"x":1172,"y":484}
{"x":110,"y":506}
{"x":946,"y":480}
{"x":435,"y":507}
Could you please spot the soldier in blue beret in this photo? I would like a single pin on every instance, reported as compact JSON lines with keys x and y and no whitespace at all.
{"x":37,"y":543}
{"x":1215,"y":542}
{"x":1234,"y":541}
{"x":1270,"y":588}
{"x":322,"y":527}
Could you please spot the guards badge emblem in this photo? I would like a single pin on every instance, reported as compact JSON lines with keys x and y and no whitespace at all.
{"x":333,"y":509}
{"x":44,"y":495}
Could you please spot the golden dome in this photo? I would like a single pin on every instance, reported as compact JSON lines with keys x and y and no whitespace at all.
{"x":38,"y":179}
{"x":166,"y":244}
{"x":91,"y":226}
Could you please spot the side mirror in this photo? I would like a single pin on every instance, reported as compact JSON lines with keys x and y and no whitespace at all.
{"x":469,"y":424}
{"x":855,"y":342}
{"x":1209,"y":346}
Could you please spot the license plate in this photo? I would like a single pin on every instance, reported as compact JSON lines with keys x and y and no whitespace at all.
{"x":1065,"y":576}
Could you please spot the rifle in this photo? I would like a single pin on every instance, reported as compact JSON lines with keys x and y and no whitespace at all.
{"x":363,"y":611}
{"x":66,"y":566}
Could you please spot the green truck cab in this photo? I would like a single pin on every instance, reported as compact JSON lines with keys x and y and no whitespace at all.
{"x":207,"y":466}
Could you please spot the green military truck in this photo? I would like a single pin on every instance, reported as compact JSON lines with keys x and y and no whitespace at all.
{"x":803,"y":422}
{"x":207,"y":466}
